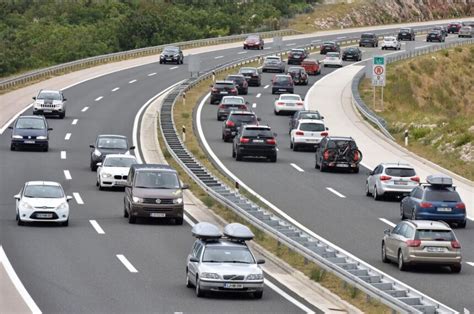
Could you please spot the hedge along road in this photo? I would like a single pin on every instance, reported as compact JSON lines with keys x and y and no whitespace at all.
{"x":334,"y":205}
{"x":79,"y":268}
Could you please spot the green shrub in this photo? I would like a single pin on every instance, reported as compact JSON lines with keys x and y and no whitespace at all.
{"x":417,"y":133}
{"x":463,"y":139}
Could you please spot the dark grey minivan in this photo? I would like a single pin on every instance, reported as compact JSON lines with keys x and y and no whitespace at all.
{"x":153,"y":191}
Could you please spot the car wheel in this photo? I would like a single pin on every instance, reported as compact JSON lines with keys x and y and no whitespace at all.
{"x":258,"y":294}
{"x":456,"y":268}
{"x":233,"y":152}
{"x":101,"y":188}
{"x":188,"y":282}
{"x":276,"y":112}
{"x":462,"y":224}
{"x":62,"y":115}
{"x":125,"y":213}
{"x":93,"y":166}
{"x":401,"y":263}
{"x":355,"y":170}
{"x":65,"y":223}
{"x":384,"y":253}
{"x":131,"y":219}
{"x":20,"y":222}
{"x":291,"y":144}
{"x":238,"y":156}
{"x":413,"y":214}
{"x":376,"y":194}
{"x":46,"y":148}
{"x":178,"y":221}
{"x":273,"y":158}
{"x":199,"y":292}
{"x":367,"y":191}
{"x":295,"y":147}
{"x":322,"y":167}
{"x":12,"y":147}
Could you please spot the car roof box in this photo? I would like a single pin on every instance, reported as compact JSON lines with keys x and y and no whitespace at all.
{"x":206,"y":231}
{"x":238,"y":232}
{"x":439,"y":179}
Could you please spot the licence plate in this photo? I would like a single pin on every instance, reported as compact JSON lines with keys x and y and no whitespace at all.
{"x":229,"y":285}
{"x":258,"y":141}
{"x":342,"y":165}
{"x":401,"y":183}
{"x":119,"y":183}
{"x":157,"y":215}
{"x":435,"y":249}
{"x":224,"y":93}
{"x":444,"y":209}
{"x":29,"y":142}
{"x":47,"y":111}
{"x":311,"y":141}
{"x":233,"y":133}
{"x":282,"y":89}
{"x":44,"y":215}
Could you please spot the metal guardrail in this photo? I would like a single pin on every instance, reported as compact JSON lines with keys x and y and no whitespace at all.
{"x":395,"y":294}
{"x":112,"y":57}
{"x":362,"y":106}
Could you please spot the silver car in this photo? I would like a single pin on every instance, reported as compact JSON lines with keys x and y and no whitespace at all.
{"x":414,"y":242}
{"x":391,"y":179}
{"x":466,"y":31}
{"x":50,"y":102}
{"x":223,"y":264}
{"x":274,"y":64}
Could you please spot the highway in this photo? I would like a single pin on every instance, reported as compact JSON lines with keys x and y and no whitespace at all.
{"x":77,"y":269}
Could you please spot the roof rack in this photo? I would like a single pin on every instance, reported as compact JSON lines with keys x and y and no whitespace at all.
{"x":238,"y":232}
{"x":206,"y":231}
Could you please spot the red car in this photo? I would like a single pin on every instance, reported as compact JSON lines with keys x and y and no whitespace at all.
{"x":253,"y":42}
{"x":454,"y":27}
{"x":311,"y":66}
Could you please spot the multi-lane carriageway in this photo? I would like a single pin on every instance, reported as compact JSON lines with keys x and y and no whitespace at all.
{"x":100,"y":263}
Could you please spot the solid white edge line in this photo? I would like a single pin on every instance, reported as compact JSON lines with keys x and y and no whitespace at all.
{"x":84,"y":109}
{"x":67,"y":174}
{"x":132,"y":81}
{"x":335,"y":192}
{"x":78,"y":198}
{"x":74,"y":122}
{"x":388,"y":222}
{"x":258,"y":95}
{"x":292,"y":44}
{"x":98,"y":98}
{"x":296,"y":167}
{"x":63,"y":154}
{"x":97,"y":227}
{"x":17,"y":283}
{"x":126,"y":263}
{"x":115,"y":89}
{"x":67,"y":136}
{"x":14,"y":118}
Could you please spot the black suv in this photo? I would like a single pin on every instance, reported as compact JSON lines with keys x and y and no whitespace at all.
{"x":221,"y":89}
{"x":171,"y":54}
{"x":352,"y":53}
{"x":406,"y":34}
{"x":303,"y":114}
{"x":297,"y":55}
{"x":255,"y":141}
{"x":338,"y":153}
{"x":368,"y":40}
{"x":252,"y":75}
{"x":240,"y":81}
{"x":234,"y":122}
{"x":329,"y":46}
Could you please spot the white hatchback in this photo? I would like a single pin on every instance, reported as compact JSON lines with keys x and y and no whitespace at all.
{"x":113,"y":171}
{"x":391,"y":42}
{"x":308,"y":133}
{"x":288,"y":103}
{"x":333,"y":59}
{"x":42,"y":201}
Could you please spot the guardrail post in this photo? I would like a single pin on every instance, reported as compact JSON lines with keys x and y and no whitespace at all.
{"x":184,"y":133}
{"x":406,"y":137}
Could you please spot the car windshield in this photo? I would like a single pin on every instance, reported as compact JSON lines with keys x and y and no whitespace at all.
{"x":341,"y":143}
{"x":49,"y":95}
{"x":232,"y":100}
{"x":235,"y":78}
{"x":297,"y":51}
{"x":246,"y":118}
{"x":290,"y":97}
{"x":328,"y":43}
{"x":295,"y":70}
{"x":112,"y":143}
{"x":312,"y":127}
{"x":272,"y":59}
{"x":310,"y":116}
{"x":367,"y":36}
{"x":156,"y":180}
{"x":223,"y":254}
{"x":281,"y":79}
{"x":252,"y":38}
{"x":332,"y":55}
{"x":171,"y":50}
{"x":400,"y":172}
{"x":405,"y":30}
{"x":119,"y":161}
{"x":442,"y":195}
{"x":254,"y":132}
{"x":248,"y":70}
{"x":351,"y":50}
{"x":224,"y":85}
{"x":43,"y":191}
{"x":434,"y":235}
{"x":32,"y":124}
{"x":389,"y":38}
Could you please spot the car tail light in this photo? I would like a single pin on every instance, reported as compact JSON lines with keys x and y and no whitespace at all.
{"x":280,"y":103}
{"x":233,"y":90}
{"x":214,"y":90}
{"x":271,"y":141}
{"x":356,"y":156}
{"x":299,"y":103}
{"x":324,"y":133}
{"x":326,"y":155}
{"x":244,"y":140}
{"x":413,"y":243}
{"x":229,"y":124}
{"x":385,"y":178}
{"x":455,"y":244}
{"x":416,"y":179}
{"x":221,"y":106}
{"x":426,"y":205}
{"x":461,"y":205}
{"x":245,"y":84}
{"x":299,"y":133}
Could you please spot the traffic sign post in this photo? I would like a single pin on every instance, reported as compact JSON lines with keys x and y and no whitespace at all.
{"x":378,"y":75}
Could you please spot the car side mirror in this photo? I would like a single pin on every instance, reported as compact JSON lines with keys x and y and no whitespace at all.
{"x":132,"y":147}
{"x":185,"y":187}
{"x":50,"y":129}
{"x":247,"y":103}
{"x":322,"y":117}
{"x":17,"y":197}
{"x":64,"y":99}
{"x":99,"y":164}
{"x":387,"y":232}
{"x":259,"y":119}
{"x":10,"y":127}
{"x":194,"y":260}
{"x":260,"y":261}
{"x":91,"y":146}
{"x":327,"y":129}
{"x":68,"y":198}
{"x":34,"y":98}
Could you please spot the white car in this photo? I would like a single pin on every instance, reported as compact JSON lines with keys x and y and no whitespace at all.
{"x":42,"y":201}
{"x":50,"y":102}
{"x":288,"y":103}
{"x":308,"y":133}
{"x":333,"y":59}
{"x":113,"y":171}
{"x":391,"y":42}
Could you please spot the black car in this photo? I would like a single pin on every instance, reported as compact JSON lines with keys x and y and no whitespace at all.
{"x":221,"y":89}
{"x":329,"y":46}
{"x":252,"y":75}
{"x":171,"y":54}
{"x":303,"y":114}
{"x":234,"y":122}
{"x":240,"y":81}
{"x":299,"y":75}
{"x":442,"y":29}
{"x":230,"y":103}
{"x":406,"y":34}
{"x":368,"y":40}
{"x":352,"y":53}
{"x":435,"y":35}
{"x":282,"y":83}
{"x":338,"y":153}
{"x":255,"y":141}
{"x":297,"y":55}
{"x":108,"y":144}
{"x":30,"y":131}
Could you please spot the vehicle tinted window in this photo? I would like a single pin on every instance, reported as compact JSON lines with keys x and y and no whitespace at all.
{"x":246,"y":118}
{"x":328,"y":44}
{"x":171,"y":50}
{"x":32,"y":124}
{"x":409,"y":232}
{"x":216,"y":254}
{"x":254,"y":132}
{"x":400,"y":172}
{"x":224,"y":85}
{"x":253,"y":37}
{"x":442,"y":196}
{"x":113,"y":143}
{"x":340,"y":143}
{"x":236,"y":78}
{"x":367,"y":36}
{"x":156,"y":179}
{"x":248,"y":70}
{"x":49,"y":95}
{"x":272,"y":59}
{"x":405,"y":30}
{"x":312,"y":127}
{"x":315,"y":116}
{"x":434,"y":235}
{"x":119,"y":162}
{"x":290,"y":97}
{"x":332,"y":55}
{"x":281,"y":79}
{"x":232,"y":101}
{"x":43,"y":191}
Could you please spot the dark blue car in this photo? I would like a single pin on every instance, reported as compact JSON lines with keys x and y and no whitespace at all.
{"x":436,"y":200}
{"x":30,"y":132}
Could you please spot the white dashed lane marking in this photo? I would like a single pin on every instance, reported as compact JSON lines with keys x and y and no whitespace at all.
{"x":74,"y":122}
{"x":68,"y":136}
{"x":218,"y":57}
{"x":132,"y":81}
{"x":151,"y":74}
{"x":335,"y":192}
{"x":97,"y":227}
{"x":266,"y":48}
{"x":115,"y":89}
{"x":67,"y":175}
{"x":78,"y":198}
{"x":241,"y":53}
{"x":173,"y":68}
{"x":470,"y":263}
{"x":388,"y":222}
{"x":98,"y":98}
{"x":297,"y":168}
{"x":292,"y":44}
{"x":126,"y":263}
{"x":266,"y":86}
{"x":258,"y":95}
{"x":84,"y":109}
{"x":63,"y":154}
{"x":254,"y":105}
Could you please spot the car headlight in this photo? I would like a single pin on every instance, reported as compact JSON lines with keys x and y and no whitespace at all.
{"x":62,"y":206}
{"x":176,"y":56}
{"x":41,"y":137}
{"x":178,"y":200}
{"x":255,"y":277}
{"x":25,"y":205}
{"x":18,"y":137}
{"x":106,"y":175}
{"x":210,"y":275}
{"x":97,"y":152}
{"x":137,"y":199}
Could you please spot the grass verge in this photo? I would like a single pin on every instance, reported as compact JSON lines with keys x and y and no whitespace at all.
{"x":432,"y":97}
